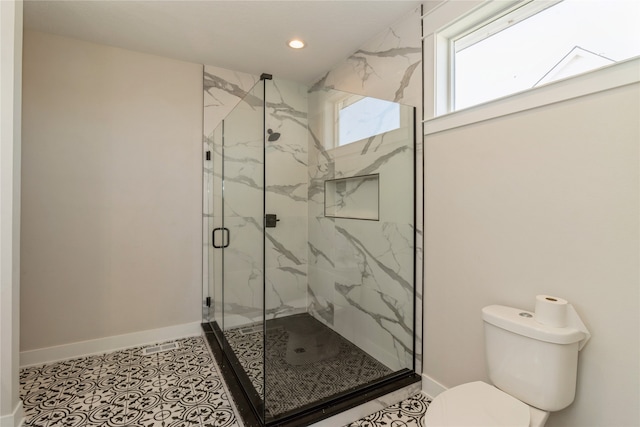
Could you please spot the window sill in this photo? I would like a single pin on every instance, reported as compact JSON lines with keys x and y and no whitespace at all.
{"x":621,"y":74}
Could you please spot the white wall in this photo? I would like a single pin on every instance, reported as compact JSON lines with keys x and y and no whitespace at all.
{"x":111,"y":191}
{"x":542,"y":201}
{"x":10,"y":143}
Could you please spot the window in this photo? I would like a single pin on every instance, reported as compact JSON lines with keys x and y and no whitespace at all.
{"x":359,"y":118}
{"x":533,"y":43}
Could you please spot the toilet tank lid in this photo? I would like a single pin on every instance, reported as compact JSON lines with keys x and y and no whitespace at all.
{"x":522,"y":322}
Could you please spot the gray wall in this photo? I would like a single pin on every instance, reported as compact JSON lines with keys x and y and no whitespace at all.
{"x":541,"y":201}
{"x":111,"y":192}
{"x":10,"y":151}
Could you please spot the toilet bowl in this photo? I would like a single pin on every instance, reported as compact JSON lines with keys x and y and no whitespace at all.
{"x":479,"y":404}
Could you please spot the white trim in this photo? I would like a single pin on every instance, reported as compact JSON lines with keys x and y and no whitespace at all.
{"x":15,"y":419}
{"x":431,"y":387}
{"x":439,"y":18}
{"x":107,"y":344}
{"x":610,"y":77}
{"x":492,"y":18}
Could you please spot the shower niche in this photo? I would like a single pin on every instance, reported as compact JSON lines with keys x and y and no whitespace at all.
{"x":356,"y":197}
{"x":315,"y":315}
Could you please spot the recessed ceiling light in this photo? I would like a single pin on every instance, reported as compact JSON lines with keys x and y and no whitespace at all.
{"x":295,"y":44}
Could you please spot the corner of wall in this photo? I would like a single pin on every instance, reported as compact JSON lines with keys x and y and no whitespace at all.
{"x":11,"y":413}
{"x":14,"y":419}
{"x":431,"y":387}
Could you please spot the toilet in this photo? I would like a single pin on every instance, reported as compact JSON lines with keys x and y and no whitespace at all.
{"x":532,"y":366}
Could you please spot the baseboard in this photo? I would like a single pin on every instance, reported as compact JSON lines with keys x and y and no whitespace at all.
{"x":431,"y":387}
{"x":15,"y":419}
{"x":105,"y":345}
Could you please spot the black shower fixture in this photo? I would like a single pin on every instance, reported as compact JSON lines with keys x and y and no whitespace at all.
{"x":273,"y":136}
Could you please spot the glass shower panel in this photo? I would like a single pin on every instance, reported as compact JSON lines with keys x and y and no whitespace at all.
{"x":286,"y":243}
{"x":239,"y":240}
{"x":286,"y":198}
{"x":339,"y":279}
{"x":243,"y":212}
{"x":311,"y":261}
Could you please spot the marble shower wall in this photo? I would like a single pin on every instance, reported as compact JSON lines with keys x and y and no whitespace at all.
{"x":242,"y":169}
{"x":285,"y":156}
{"x":353,"y":275}
{"x":387,"y":67}
{"x":361,"y":272}
{"x":286,"y":196}
{"x":223,"y":90}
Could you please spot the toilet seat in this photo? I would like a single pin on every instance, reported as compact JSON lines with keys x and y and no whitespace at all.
{"x":477,"y":404}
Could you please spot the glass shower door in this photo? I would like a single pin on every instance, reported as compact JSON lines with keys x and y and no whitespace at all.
{"x":240,"y":241}
{"x":339,"y":265}
{"x":213,"y":209}
{"x":242,"y":212}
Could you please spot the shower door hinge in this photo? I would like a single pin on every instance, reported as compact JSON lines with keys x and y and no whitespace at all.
{"x":207,"y":301}
{"x":270,"y":220}
{"x":208,"y":155}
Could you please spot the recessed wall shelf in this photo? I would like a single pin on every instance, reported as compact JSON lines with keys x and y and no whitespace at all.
{"x":356,"y":197}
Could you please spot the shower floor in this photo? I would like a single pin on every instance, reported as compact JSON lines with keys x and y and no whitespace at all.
{"x":305,"y":361}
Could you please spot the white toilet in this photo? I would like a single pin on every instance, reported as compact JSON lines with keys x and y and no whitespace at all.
{"x":533,"y":368}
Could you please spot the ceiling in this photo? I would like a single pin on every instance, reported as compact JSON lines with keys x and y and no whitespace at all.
{"x":247,"y":36}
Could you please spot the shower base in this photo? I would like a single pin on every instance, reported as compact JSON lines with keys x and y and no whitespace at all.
{"x":311,"y":371}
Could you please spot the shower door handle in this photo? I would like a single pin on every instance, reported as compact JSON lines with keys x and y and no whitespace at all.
{"x":228,"y":239}
{"x":213,"y":237}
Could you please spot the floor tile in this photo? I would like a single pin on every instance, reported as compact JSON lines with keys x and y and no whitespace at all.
{"x":408,"y":413}
{"x":176,"y":388}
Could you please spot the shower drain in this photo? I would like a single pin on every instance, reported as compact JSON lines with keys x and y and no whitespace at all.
{"x":299,"y":350}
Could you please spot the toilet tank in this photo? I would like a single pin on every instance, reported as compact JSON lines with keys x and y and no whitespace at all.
{"x":532,"y":362}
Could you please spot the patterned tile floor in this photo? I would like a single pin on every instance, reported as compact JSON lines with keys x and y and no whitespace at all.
{"x":408,"y":413}
{"x":177,"y":388}
{"x":294,"y":376}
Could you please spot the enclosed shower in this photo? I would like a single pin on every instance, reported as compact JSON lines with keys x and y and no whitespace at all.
{"x":310,"y":250}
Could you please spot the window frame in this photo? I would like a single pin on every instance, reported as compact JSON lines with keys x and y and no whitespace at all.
{"x":623,"y":73}
{"x":452,"y":20}
{"x":331,"y":126}
{"x":488,"y":14}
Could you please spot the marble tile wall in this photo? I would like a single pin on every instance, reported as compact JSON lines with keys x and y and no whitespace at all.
{"x":242,"y":171}
{"x":286,"y":196}
{"x":387,"y":67}
{"x":361,"y":273}
{"x":354,"y":197}
{"x":356,"y":276}
{"x":285,"y":157}
{"x":223,"y":90}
